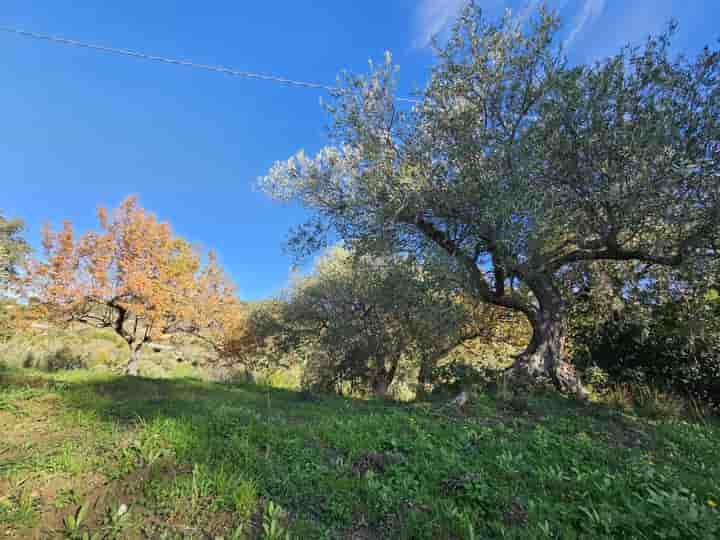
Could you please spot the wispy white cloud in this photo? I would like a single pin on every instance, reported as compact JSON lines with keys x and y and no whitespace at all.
{"x":591,"y":10}
{"x":433,"y":17}
{"x":591,"y":28}
{"x":530,"y":7}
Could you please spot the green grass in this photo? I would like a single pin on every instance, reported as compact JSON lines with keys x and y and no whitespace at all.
{"x":56,"y":349}
{"x":190,"y":459}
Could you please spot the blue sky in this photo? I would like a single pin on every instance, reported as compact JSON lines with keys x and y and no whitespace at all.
{"x":81,"y":128}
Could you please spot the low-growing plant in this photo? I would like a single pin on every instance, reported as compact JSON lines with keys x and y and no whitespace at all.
{"x":699,"y":411}
{"x":619,"y":396}
{"x":236,"y":534}
{"x":74,"y":524}
{"x":647,"y":401}
{"x":452,"y":378}
{"x":245,"y":498}
{"x":18,"y":509}
{"x":116,"y":520}
{"x":670,"y":513}
{"x":64,"y":358}
{"x":504,"y":389}
{"x":655,"y":403}
{"x":597,"y":378}
{"x":273,"y":523}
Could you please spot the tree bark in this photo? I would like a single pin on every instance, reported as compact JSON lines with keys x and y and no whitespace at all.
{"x":133,"y":365}
{"x":383,"y":378}
{"x":424,"y":379}
{"x":380,"y":386}
{"x":544,"y":353}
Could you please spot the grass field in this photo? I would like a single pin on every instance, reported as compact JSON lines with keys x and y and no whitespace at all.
{"x":94,"y":456}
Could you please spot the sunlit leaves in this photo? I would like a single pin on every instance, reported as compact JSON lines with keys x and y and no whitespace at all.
{"x":133,"y":275}
{"x":12,"y":248}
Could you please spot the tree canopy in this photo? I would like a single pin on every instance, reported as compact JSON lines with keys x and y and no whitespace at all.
{"x":133,"y":276}
{"x":362,"y":320}
{"x":521,"y":167}
{"x":13,"y":248}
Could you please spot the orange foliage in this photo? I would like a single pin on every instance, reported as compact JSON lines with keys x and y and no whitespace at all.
{"x":134,"y":276}
{"x":246,"y":335}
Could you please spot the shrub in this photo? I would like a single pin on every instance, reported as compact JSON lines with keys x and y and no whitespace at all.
{"x":654,"y":403}
{"x":597,"y":378}
{"x":452,"y":378}
{"x":64,"y":359}
{"x":619,"y":396}
{"x":666,"y":348}
{"x":284,"y":378}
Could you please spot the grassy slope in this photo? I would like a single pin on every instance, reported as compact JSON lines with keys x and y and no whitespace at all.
{"x":57,"y":348}
{"x":197,"y":460}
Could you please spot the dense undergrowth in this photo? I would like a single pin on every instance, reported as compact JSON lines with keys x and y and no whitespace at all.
{"x":88,"y":455}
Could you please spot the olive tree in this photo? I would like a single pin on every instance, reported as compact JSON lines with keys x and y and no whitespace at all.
{"x":520,"y":167}
{"x":13,"y":248}
{"x":360,"y":318}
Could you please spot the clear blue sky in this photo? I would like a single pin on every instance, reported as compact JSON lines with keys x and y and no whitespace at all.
{"x":81,"y":128}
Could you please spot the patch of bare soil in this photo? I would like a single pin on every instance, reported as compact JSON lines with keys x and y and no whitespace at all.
{"x":103,"y":499}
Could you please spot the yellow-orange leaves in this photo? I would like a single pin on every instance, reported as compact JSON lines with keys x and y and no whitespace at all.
{"x":132,"y":275}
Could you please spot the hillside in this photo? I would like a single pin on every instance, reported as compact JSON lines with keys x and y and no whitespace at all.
{"x":114,"y":457}
{"x":49,"y":348}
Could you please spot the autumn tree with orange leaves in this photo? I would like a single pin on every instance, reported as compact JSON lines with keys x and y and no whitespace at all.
{"x":133,"y":276}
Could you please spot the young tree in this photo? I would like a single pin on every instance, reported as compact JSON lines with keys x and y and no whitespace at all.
{"x":360,"y":317}
{"x":133,"y":276}
{"x":13,"y":249}
{"x":521,"y":167}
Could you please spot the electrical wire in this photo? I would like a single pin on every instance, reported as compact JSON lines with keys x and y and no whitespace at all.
{"x":218,"y":69}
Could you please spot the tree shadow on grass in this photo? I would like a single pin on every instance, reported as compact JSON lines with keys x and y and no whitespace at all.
{"x":125,"y":398}
{"x":204,"y":448}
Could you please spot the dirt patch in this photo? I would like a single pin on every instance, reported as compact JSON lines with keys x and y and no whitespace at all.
{"x":30,"y":423}
{"x":60,"y":496}
{"x":376,"y":462}
{"x":459,"y":483}
{"x":362,"y":533}
{"x":517,"y":514}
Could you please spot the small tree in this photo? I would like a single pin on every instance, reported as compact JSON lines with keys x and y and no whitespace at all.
{"x":359,"y":317}
{"x":134,"y":276}
{"x":13,"y":249}
{"x":660,"y":328}
{"x":521,"y":167}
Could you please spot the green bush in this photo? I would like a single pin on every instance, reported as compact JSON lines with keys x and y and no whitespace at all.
{"x":667,"y":348}
{"x":452,"y":378}
{"x":64,"y":358}
{"x":60,"y":349}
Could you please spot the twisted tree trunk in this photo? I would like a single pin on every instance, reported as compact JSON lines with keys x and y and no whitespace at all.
{"x":133,"y":366}
{"x":383,"y":378}
{"x":544,"y":353}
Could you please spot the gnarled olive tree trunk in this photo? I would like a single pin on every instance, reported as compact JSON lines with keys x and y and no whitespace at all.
{"x":544,"y":354}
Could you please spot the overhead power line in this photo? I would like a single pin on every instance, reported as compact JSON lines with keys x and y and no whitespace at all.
{"x":174,"y":61}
